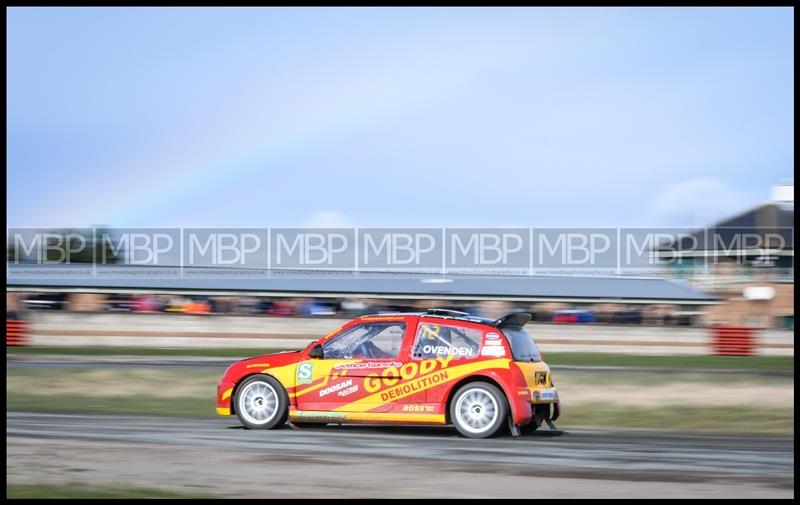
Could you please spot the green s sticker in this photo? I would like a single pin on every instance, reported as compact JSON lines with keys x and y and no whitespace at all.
{"x":304,"y":373}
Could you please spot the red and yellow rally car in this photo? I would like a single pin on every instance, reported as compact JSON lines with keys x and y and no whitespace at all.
{"x":438,"y":367}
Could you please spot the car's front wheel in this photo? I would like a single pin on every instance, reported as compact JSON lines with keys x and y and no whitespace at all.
{"x":261,"y":403}
{"x":478,"y":410}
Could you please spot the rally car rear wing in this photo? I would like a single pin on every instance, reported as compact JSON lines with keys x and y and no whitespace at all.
{"x":513,"y":320}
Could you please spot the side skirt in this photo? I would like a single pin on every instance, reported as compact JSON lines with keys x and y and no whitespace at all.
{"x":374,"y":417}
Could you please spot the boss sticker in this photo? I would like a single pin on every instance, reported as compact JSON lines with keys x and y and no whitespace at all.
{"x":418,"y":408}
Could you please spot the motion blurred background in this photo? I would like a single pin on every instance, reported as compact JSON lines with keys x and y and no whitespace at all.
{"x":346,"y":119}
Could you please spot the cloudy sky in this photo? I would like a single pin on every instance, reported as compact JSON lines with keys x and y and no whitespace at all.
{"x":396,"y":117}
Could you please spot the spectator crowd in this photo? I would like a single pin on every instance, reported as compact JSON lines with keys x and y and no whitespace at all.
{"x":245,"y":305}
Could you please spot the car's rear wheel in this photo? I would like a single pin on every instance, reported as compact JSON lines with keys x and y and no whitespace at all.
{"x":478,"y":410}
{"x":261,"y":403}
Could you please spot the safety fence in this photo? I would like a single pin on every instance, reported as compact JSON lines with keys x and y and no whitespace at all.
{"x":16,"y":332}
{"x":733,"y":341}
{"x":164,"y":331}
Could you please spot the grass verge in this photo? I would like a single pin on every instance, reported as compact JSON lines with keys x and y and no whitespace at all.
{"x":139,"y":351}
{"x":728,"y":419}
{"x":141,"y":405}
{"x":129,"y":390}
{"x":188,"y":392}
{"x":36,"y":491}
{"x":777,"y":363}
{"x":780,"y":363}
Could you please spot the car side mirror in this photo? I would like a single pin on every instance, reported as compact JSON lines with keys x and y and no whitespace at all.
{"x":316,"y":352}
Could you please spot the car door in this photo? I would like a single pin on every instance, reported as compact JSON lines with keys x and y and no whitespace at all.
{"x":358,"y":362}
{"x":451,"y":345}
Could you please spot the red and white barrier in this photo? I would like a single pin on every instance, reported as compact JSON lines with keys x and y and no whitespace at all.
{"x":733,"y":341}
{"x":16,"y":332}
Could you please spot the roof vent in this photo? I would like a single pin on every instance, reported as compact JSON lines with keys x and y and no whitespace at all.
{"x":447,"y":312}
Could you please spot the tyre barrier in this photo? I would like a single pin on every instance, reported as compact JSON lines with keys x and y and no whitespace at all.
{"x":733,"y":341}
{"x":16,"y":332}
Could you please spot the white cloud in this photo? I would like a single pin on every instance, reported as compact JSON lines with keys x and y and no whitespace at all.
{"x":328,"y":219}
{"x":698,"y":202}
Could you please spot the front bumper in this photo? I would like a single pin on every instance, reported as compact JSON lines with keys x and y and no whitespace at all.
{"x":224,"y":392}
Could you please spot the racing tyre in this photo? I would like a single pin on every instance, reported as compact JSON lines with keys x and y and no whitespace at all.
{"x":478,"y":410}
{"x":261,"y":403}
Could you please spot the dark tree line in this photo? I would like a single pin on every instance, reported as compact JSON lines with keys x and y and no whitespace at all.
{"x":62,"y":246}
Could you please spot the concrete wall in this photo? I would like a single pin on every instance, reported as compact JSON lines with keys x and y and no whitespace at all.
{"x":178,"y":330}
{"x":738,"y":310}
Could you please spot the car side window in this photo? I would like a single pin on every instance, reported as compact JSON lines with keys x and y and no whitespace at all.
{"x":439,"y":340}
{"x":367,"y":341}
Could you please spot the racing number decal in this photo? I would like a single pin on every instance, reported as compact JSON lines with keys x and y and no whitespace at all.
{"x":430,"y":331}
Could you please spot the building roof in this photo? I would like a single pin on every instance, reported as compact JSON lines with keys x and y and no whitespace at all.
{"x":387,"y":285}
{"x":767,"y":221}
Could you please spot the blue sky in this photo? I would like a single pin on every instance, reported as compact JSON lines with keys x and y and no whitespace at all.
{"x":396,"y":117}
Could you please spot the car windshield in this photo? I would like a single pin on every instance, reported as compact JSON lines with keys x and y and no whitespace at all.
{"x":522,"y":345}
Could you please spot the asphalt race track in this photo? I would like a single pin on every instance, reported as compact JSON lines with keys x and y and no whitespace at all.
{"x":217,"y":456}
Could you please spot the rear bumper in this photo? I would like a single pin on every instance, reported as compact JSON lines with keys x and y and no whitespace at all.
{"x":543,"y":410}
{"x":543,"y":395}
